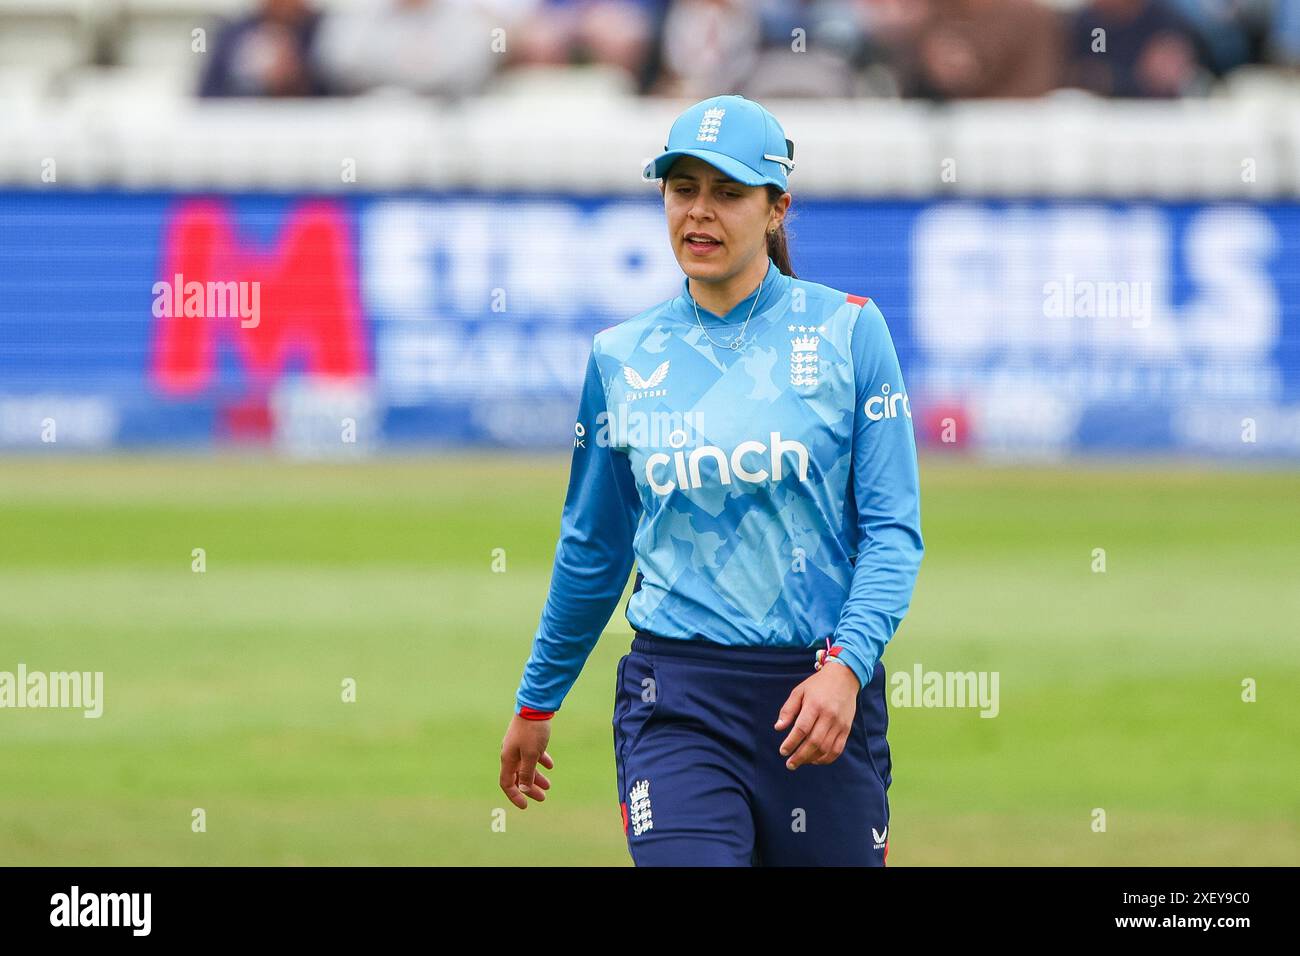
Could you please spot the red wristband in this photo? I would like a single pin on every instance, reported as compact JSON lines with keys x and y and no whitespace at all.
{"x":529,"y":713}
{"x":824,"y":655}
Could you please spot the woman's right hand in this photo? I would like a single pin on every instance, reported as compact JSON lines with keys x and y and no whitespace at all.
{"x":523,"y":748}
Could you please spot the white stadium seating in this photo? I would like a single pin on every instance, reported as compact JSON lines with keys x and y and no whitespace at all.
{"x":138,"y":125}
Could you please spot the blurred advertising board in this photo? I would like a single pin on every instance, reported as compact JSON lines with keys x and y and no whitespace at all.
{"x":341,"y":326}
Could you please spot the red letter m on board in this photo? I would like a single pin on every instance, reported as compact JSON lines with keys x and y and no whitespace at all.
{"x":310,"y":311}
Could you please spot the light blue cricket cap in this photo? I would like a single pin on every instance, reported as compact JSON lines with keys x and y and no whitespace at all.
{"x":736,"y":135}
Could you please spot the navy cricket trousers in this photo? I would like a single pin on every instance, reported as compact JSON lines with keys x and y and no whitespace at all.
{"x":701,"y":779}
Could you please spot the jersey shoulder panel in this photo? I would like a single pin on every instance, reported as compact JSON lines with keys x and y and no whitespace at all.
{"x":619,"y":341}
{"x":829,"y":300}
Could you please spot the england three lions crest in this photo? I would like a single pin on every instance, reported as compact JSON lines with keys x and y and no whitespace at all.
{"x":805,"y":360}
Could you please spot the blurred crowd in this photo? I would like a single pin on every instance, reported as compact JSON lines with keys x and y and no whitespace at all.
{"x":933,"y":49}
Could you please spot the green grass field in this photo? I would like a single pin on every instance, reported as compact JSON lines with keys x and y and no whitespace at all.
{"x":1119,"y":691}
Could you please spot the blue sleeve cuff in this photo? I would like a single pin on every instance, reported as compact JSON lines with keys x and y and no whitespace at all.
{"x":857,"y":664}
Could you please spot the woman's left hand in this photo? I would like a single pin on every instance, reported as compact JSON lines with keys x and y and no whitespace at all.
{"x":822,"y":708}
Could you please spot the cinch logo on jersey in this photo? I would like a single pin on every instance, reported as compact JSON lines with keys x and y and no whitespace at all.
{"x":886,"y":405}
{"x":687,"y":468}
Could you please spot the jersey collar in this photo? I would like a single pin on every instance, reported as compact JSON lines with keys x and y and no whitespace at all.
{"x":768,"y":290}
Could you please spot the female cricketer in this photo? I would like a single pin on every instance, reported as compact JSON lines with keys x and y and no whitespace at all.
{"x":749,"y":445}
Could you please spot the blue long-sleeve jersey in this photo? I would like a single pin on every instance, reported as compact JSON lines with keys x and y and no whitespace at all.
{"x":769,"y":495}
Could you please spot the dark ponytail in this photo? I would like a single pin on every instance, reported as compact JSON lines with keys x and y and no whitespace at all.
{"x":778,"y":245}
